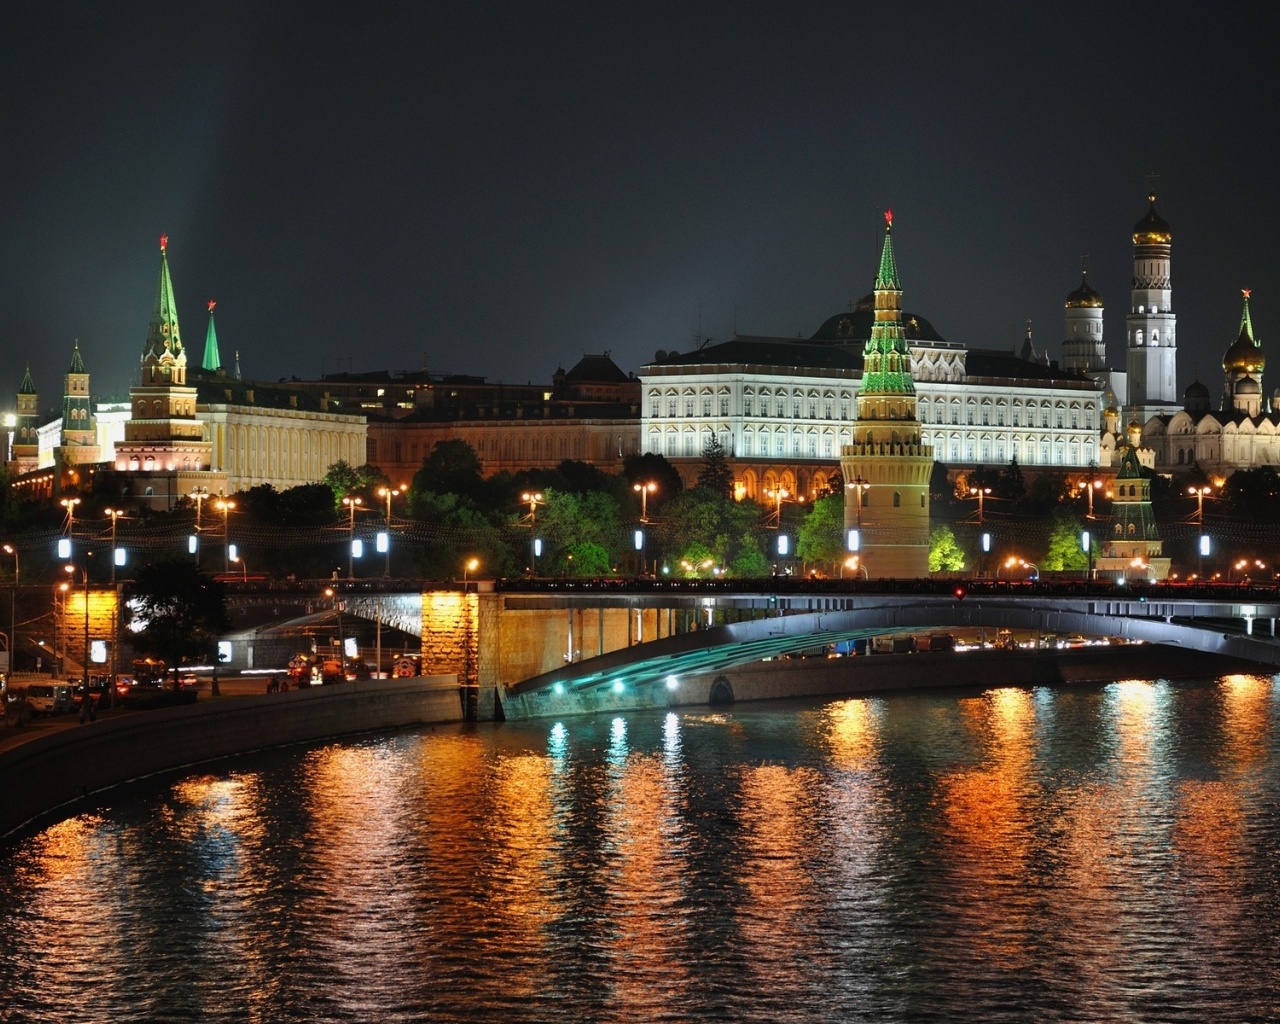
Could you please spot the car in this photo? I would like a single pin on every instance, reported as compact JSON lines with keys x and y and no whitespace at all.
{"x":49,"y":698}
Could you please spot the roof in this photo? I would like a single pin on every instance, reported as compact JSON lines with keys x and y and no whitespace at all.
{"x":217,"y":389}
{"x":765,"y":352}
{"x":596,"y":370}
{"x":853,"y":327}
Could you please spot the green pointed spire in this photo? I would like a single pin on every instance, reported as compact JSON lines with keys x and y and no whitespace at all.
{"x":1246,"y":323}
{"x":28,"y":386}
{"x":77,"y":364}
{"x":887,"y":279}
{"x":212,"y":361}
{"x":886,"y":358}
{"x":162,"y":335}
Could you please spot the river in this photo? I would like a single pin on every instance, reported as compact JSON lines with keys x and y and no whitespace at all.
{"x":1082,"y":853}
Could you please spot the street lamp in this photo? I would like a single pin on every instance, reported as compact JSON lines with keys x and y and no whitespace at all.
{"x":198,"y":495}
{"x":1014,"y":560}
{"x":13,"y":603}
{"x":854,"y":563}
{"x":244,"y":567}
{"x":981,"y":494}
{"x":468,"y":567}
{"x":225,"y":505}
{"x":86,"y":705}
{"x":388,"y":493}
{"x":1243,"y":566}
{"x":114,"y":513}
{"x":351,"y":503}
{"x":860,"y":487}
{"x":534,"y":498}
{"x":70,"y":505}
{"x":1203,"y":543}
{"x":645,"y":490}
{"x":1089,"y":486}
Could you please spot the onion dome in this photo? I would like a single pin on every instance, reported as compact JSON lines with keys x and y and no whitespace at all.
{"x":1152,"y":229}
{"x":1196,"y":398}
{"x":1196,"y":390}
{"x":1247,"y":386}
{"x":1244,"y":356}
{"x":1084,"y":297}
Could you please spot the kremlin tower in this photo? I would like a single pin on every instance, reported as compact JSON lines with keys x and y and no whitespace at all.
{"x":886,"y":468}
{"x":164,"y":452}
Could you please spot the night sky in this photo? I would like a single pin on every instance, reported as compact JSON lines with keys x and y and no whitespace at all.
{"x":497,"y":190}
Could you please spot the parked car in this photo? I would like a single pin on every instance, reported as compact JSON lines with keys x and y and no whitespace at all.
{"x":49,"y":698}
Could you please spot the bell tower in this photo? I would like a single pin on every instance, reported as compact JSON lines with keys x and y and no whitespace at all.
{"x":1151,"y":326}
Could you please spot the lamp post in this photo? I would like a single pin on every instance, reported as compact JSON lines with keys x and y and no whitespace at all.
{"x":342,"y":647}
{"x":86,"y":704}
{"x":244,"y":567}
{"x":351,"y":503}
{"x":1014,"y":560}
{"x":1202,"y":540}
{"x":198,"y":495}
{"x":388,"y":493}
{"x":115,"y":514}
{"x":13,"y":603}
{"x":859,"y":487}
{"x":468,"y":567}
{"x":1089,"y":486}
{"x":645,"y":490}
{"x":854,"y":563}
{"x":981,"y":494}
{"x":70,"y":505}
{"x":780,"y":495}
{"x":534,"y":498}
{"x":225,"y":505}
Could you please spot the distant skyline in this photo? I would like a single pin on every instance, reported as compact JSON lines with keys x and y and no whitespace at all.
{"x":499,"y":189}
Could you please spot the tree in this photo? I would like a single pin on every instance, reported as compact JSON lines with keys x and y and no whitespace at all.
{"x":452,"y":468}
{"x":182,"y":612}
{"x":821,"y":537}
{"x":1065,"y":553}
{"x":750,"y":561}
{"x":344,"y":478}
{"x":715,"y":475}
{"x":945,"y":554}
{"x":651,"y":468}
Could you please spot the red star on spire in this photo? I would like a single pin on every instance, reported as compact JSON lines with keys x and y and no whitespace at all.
{"x":164,"y":242}
{"x":212,"y":303}
{"x":1246,"y":292}
{"x":888,"y":218}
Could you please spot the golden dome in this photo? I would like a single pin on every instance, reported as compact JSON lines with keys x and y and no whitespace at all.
{"x":1084,"y":297}
{"x":1244,"y":356}
{"x":1152,"y":229}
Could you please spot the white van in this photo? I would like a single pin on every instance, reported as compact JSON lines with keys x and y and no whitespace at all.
{"x":49,"y":698}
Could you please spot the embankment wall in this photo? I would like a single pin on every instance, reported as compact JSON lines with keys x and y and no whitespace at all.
{"x":50,"y":773}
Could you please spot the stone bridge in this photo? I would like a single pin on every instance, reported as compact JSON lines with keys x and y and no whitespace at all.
{"x":525,"y":641}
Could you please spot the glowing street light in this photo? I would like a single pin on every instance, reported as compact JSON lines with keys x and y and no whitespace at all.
{"x":534,"y":499}
{"x":468,"y":567}
{"x":70,"y":505}
{"x":980,"y":493}
{"x":1013,"y":561}
{"x":13,"y":603}
{"x":1089,"y":486}
{"x":388,"y":493}
{"x":855,"y":565}
{"x":645,"y":490}
{"x":225,"y":506}
{"x":352,"y":503}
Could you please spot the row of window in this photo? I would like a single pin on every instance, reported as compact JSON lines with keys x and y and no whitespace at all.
{"x":943,"y":411}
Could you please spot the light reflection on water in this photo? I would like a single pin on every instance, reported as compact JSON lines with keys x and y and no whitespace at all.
{"x":1092,"y":853}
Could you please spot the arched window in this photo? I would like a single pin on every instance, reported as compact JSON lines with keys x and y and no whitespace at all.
{"x":897,"y":499}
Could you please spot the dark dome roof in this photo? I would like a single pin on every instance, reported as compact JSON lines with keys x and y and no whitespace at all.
{"x":1196,"y":390}
{"x":1152,"y":229}
{"x":855,"y":325}
{"x":1084,"y":296}
{"x":1247,"y":386}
